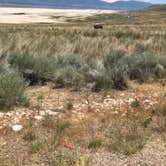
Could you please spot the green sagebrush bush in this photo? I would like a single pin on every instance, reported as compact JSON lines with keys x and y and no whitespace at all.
{"x":36,"y":69}
{"x":117,"y":71}
{"x":112,"y":70}
{"x":12,"y":87}
{"x":140,"y":66}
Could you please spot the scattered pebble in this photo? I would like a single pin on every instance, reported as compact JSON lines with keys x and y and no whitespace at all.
{"x":38,"y":117}
{"x":17,"y":128}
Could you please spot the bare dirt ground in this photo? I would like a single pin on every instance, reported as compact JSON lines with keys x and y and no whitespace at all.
{"x":47,"y":101}
{"x":41,"y":15}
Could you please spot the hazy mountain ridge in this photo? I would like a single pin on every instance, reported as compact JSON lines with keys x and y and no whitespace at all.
{"x":93,"y":4}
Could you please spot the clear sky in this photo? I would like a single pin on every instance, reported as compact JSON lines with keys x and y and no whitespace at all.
{"x":152,"y":1}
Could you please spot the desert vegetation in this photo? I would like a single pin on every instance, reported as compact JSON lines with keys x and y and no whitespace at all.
{"x":71,"y":95}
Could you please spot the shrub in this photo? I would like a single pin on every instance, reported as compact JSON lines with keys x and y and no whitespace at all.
{"x":35,"y":69}
{"x":135,"y":103}
{"x":94,"y":143}
{"x":4,"y":65}
{"x":139,"y":48}
{"x":112,"y":70}
{"x":119,"y":77}
{"x":12,"y":88}
{"x":161,"y":113}
{"x":141,"y":66}
{"x":117,"y":71}
{"x":61,"y":126}
{"x":159,"y":71}
{"x":162,"y":61}
{"x":69,"y":76}
{"x":69,"y":105}
{"x":113,"y":58}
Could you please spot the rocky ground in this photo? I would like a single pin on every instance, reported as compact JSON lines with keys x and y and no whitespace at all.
{"x":153,"y":154}
{"x":47,"y":101}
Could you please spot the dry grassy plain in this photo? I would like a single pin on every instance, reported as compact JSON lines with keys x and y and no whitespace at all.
{"x":78,"y":127}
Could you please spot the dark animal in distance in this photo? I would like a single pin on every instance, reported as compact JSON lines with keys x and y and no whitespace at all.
{"x":98,"y":26}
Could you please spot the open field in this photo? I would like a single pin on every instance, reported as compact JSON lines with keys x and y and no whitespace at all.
{"x":42,"y":15}
{"x":72,"y":95}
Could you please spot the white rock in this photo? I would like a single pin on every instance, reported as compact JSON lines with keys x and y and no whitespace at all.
{"x":39,"y":118}
{"x":17,"y":128}
{"x":42,"y":113}
{"x":49,"y":112}
{"x":8,"y":114}
{"x":16,"y":120}
{"x":122,"y":94}
{"x":1,"y":114}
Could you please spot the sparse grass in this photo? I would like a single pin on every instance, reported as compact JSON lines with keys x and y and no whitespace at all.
{"x":69,"y":105}
{"x":49,"y":122}
{"x":161,"y":114}
{"x":95,"y":143}
{"x":61,"y":126}
{"x":29,"y":135}
{"x":35,"y":147}
{"x":127,"y":139}
{"x":135,"y":103}
{"x":64,"y":158}
{"x":127,"y":143}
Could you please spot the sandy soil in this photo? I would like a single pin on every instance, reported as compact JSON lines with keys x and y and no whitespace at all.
{"x":42,"y":15}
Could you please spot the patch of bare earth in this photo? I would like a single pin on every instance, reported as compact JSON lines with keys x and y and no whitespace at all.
{"x":44,"y":101}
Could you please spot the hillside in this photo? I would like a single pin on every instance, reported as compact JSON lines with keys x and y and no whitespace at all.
{"x":130,"y":5}
{"x":159,"y":8}
{"x":93,"y":4}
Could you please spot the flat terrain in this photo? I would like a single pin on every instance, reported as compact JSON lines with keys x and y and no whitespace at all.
{"x":72,"y":95}
{"x":41,"y":15}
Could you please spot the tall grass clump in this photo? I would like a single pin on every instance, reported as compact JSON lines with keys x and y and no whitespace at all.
{"x":12,"y":87}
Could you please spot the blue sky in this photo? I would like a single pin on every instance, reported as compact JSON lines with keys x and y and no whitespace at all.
{"x":152,"y":1}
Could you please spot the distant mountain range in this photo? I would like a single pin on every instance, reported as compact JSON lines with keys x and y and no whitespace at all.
{"x":83,"y":4}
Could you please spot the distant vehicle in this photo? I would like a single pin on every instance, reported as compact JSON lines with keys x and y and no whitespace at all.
{"x":98,"y":26}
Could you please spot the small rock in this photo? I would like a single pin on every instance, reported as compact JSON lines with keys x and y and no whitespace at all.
{"x":49,"y":112}
{"x":17,"y":128}
{"x":39,"y":118}
{"x":122,"y":94}
{"x":1,"y":115}
{"x":8,"y":114}
{"x":42,"y":113}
